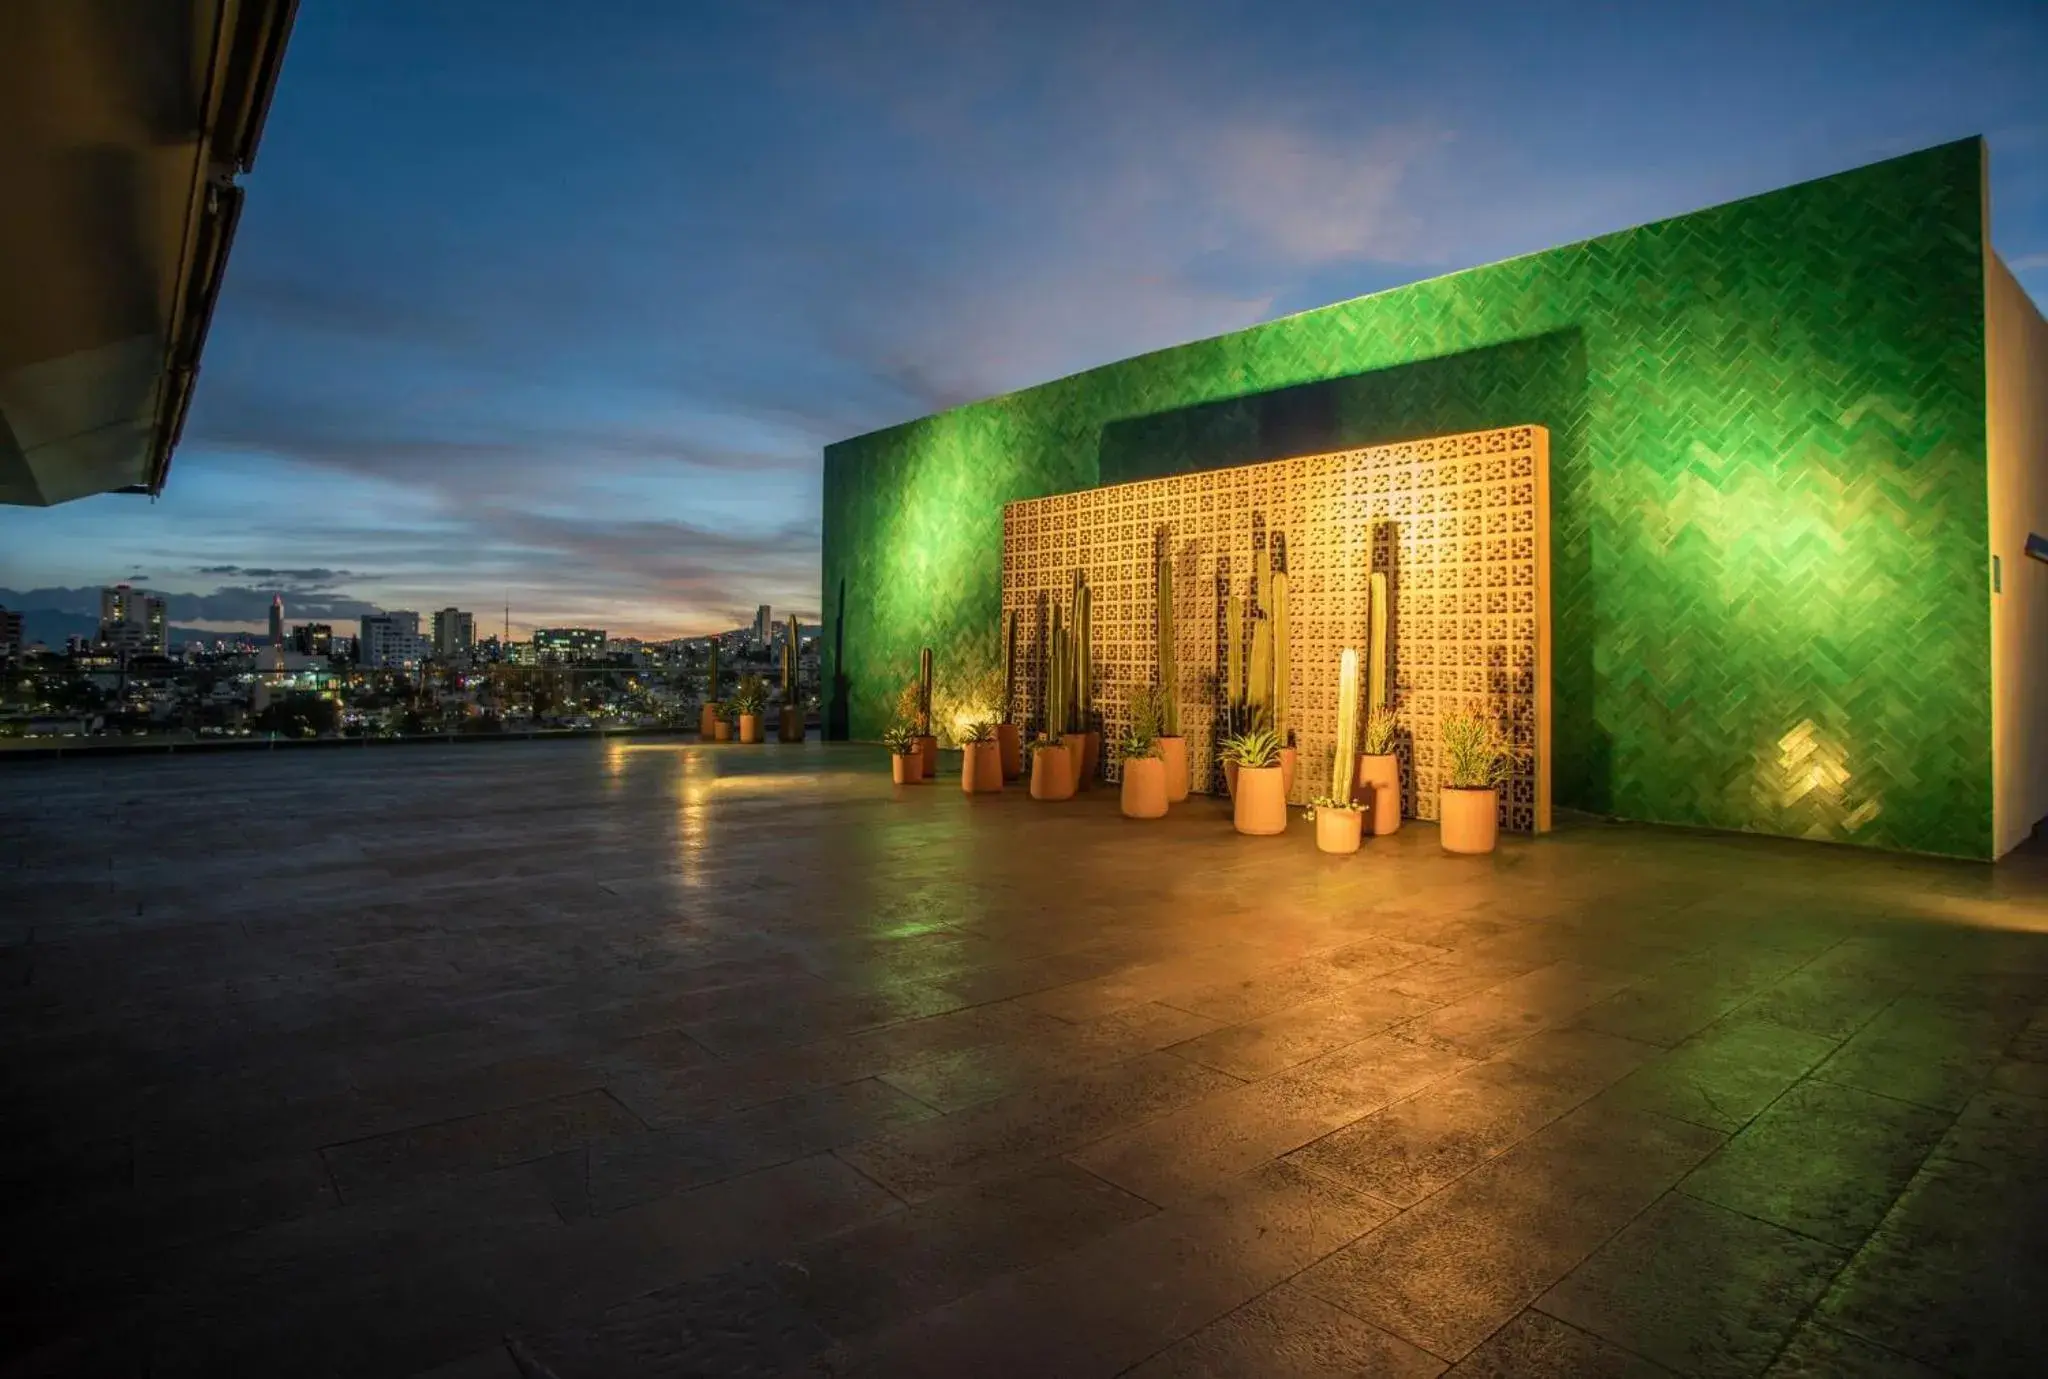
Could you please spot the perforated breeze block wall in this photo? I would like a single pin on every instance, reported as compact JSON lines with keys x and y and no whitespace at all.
{"x":1458,"y":524}
{"x":1768,"y":544}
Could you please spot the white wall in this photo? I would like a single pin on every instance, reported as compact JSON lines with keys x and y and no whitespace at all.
{"x":2016,"y":413}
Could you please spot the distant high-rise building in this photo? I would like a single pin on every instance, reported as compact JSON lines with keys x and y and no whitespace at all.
{"x":389,"y":640}
{"x":313,"y":639}
{"x":131,"y":620}
{"x":277,"y":621}
{"x":571,"y":644}
{"x":454,"y":634}
{"x":764,"y":626}
{"x":10,"y":635}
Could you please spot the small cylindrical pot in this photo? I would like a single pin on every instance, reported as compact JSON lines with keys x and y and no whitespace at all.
{"x":1230,"y":778}
{"x":1173,"y":755}
{"x":791,"y":727}
{"x":1287,"y":772}
{"x":750,"y":727}
{"x":905,"y":768}
{"x":1260,"y":804}
{"x":928,"y":752}
{"x":1010,"y":748}
{"x":1468,"y":819}
{"x":1378,"y":788}
{"x":1052,"y":774}
{"x":981,"y":767}
{"x":724,"y":732}
{"x":1337,"y":830}
{"x":1144,"y":788}
{"x":707,"y":723}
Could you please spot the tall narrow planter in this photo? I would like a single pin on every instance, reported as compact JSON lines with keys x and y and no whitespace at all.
{"x":1287,"y":772}
{"x":723,"y":732}
{"x":906,"y":768}
{"x":1379,"y":790}
{"x":707,"y":723}
{"x":981,"y":767}
{"x":928,"y":752}
{"x":1091,"y":759}
{"x":1260,"y":805}
{"x":791,"y":726}
{"x":750,"y":727}
{"x":1337,"y":830}
{"x":1052,"y":774}
{"x":1144,"y":788}
{"x":1469,"y":819}
{"x":1173,"y":755}
{"x":1010,"y":748}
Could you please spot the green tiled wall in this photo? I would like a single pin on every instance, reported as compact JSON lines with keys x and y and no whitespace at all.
{"x":1768,"y":494}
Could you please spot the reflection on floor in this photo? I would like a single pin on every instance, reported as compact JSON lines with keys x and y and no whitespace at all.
{"x":667,"y":1060}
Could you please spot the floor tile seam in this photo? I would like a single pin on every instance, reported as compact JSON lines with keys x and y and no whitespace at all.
{"x":1819,"y":1074}
{"x":838,"y":1156}
{"x":598,"y":1087}
{"x":1848,"y":1251}
{"x":1820,"y":1295}
{"x":1585,"y":1331}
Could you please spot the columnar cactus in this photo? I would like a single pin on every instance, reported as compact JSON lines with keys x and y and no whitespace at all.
{"x":1259,"y":694}
{"x":1054,"y":698}
{"x":1169,"y":664}
{"x":924,"y":692}
{"x":1009,"y":662}
{"x":1376,"y":649}
{"x":1281,"y":663}
{"x":791,"y":640}
{"x":1081,"y":647}
{"x":1233,"y":658}
{"x":711,"y":675}
{"x":1344,"y":761}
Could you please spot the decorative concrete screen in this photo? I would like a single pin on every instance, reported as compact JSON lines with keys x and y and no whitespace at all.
{"x":1460,"y":525}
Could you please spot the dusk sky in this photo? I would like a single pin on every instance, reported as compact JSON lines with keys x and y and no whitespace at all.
{"x":557,"y":304}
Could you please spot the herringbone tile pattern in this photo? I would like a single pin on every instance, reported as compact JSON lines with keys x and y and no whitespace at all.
{"x":1769,"y":511}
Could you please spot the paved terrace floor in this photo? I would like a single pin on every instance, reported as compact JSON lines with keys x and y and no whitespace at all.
{"x":667,"y":1060}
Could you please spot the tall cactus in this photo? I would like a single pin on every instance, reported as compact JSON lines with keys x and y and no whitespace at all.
{"x":1009,"y":662}
{"x":1281,"y":663}
{"x":1344,"y":761}
{"x":711,"y":675}
{"x":1081,"y":647}
{"x":1233,"y":658}
{"x":924,"y":692}
{"x":1169,"y":664}
{"x":1262,"y":576}
{"x":1376,"y":649}
{"x":791,"y":640}
{"x":1055,"y":694}
{"x":1259,"y":694}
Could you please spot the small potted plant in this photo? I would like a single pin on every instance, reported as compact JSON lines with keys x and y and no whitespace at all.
{"x":1338,"y":818}
{"x":1378,"y":789}
{"x":1052,"y":769}
{"x":1144,"y":770}
{"x":748,"y":702}
{"x":906,"y":763}
{"x":726,"y":717}
{"x":981,"y":759}
{"x":1259,"y":803}
{"x":1475,"y":763}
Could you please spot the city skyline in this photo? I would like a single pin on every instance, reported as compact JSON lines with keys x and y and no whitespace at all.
{"x":438,"y":375}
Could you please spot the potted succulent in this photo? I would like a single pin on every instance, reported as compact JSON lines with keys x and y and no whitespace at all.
{"x":1337,"y":817}
{"x":1475,"y":762}
{"x":1144,"y":771}
{"x":748,"y":701}
{"x":906,"y":763}
{"x":1173,"y":748}
{"x":728,"y":716}
{"x":981,"y":761}
{"x":1052,"y":769}
{"x":1259,"y":803}
{"x":707,"y":721}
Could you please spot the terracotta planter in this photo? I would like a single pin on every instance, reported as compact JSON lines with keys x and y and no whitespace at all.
{"x":750,"y":727}
{"x":1379,"y":789}
{"x":724,"y":733}
{"x":1173,"y":754}
{"x":906,"y":768}
{"x":1261,"y":801}
{"x":981,"y":767}
{"x":707,"y":723}
{"x":1230,"y":779}
{"x":1091,"y":760}
{"x":1052,"y":774}
{"x":1077,"y":758}
{"x":1337,"y":830}
{"x":1010,"y":748}
{"x":1469,"y":820}
{"x":791,"y":726}
{"x":928,"y":752}
{"x":1144,"y":789}
{"x":1287,"y":772}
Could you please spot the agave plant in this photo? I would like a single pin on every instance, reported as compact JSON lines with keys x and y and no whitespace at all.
{"x":751,"y":696}
{"x":1475,"y":758}
{"x":900,"y":738}
{"x":981,"y":730}
{"x":1253,"y":749}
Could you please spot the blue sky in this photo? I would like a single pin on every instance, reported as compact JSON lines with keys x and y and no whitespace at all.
{"x":557,"y":305}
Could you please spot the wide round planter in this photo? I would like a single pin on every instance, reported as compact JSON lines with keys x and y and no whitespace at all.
{"x":707,"y":723}
{"x":1052,"y":774}
{"x":1091,"y":759}
{"x":1379,"y":790}
{"x":750,"y":727}
{"x":1260,"y":804}
{"x":1337,"y":830}
{"x":1469,"y":820}
{"x":791,"y":726}
{"x":981,"y":767}
{"x":1010,"y":748}
{"x":928,"y":752}
{"x":1144,"y":789}
{"x":1173,"y":755}
{"x":1230,"y":778}
{"x":906,"y":768}
{"x":1287,"y":772}
{"x":724,"y":733}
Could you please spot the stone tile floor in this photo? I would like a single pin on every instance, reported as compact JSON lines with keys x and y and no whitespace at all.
{"x":650,"y":1059}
